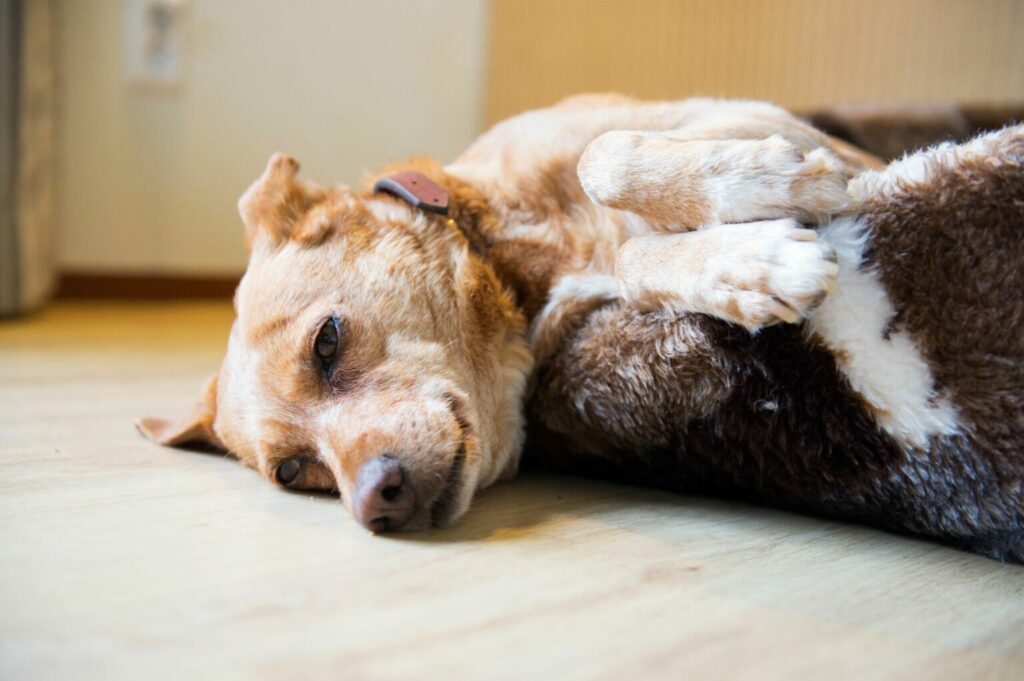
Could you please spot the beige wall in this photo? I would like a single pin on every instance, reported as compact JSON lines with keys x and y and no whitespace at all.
{"x":148,"y":182}
{"x":799,"y":53}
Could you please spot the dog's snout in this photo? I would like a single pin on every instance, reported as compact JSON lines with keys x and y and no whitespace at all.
{"x":384,"y":498}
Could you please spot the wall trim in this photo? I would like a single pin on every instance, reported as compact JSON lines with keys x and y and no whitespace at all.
{"x":74,"y":285}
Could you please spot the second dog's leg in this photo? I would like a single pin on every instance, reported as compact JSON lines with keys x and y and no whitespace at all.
{"x":753,"y":274}
{"x":680,"y":183}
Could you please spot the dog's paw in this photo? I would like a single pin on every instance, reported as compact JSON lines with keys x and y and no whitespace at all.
{"x":818,"y":186}
{"x":769,"y":272}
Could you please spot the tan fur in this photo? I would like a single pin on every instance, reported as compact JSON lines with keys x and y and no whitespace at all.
{"x":196,"y":426}
{"x":681,"y":184}
{"x":434,"y":310}
{"x":753,"y":274}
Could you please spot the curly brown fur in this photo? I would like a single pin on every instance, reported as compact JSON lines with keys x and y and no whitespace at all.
{"x":689,"y":402}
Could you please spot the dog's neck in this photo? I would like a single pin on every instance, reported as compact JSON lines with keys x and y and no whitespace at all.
{"x":527,"y":268}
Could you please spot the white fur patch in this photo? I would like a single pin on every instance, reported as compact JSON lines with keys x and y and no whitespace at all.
{"x":890,"y":373}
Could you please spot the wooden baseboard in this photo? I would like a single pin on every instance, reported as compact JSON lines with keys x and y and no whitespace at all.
{"x":97,"y":286}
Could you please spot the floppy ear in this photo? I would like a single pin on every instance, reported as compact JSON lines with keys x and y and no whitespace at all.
{"x":273,"y":203}
{"x":195,"y":429}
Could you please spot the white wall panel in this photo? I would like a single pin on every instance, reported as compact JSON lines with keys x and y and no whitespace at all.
{"x":148,"y":181}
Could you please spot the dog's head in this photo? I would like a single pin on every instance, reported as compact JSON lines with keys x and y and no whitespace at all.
{"x":373,"y":353}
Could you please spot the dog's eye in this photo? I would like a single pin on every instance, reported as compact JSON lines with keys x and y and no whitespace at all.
{"x":288,"y":471}
{"x":326,"y":344}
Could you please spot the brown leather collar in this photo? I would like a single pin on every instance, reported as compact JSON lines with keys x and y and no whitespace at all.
{"x":416,"y":189}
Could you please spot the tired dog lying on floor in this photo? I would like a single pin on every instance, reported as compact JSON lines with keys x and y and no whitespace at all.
{"x":396,"y":344}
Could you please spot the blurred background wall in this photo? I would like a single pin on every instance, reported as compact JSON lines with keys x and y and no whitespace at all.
{"x":148,"y":178}
{"x":798,"y":53}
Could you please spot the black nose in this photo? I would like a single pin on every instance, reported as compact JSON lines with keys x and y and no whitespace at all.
{"x":383,"y":500}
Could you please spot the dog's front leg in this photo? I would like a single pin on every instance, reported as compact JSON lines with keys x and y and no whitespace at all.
{"x":753,"y":274}
{"x":677,"y":183}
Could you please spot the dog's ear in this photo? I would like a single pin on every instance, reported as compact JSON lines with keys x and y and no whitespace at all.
{"x":274,"y":203}
{"x":196,"y":429}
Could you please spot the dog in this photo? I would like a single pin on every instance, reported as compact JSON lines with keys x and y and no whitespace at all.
{"x":631,"y":288}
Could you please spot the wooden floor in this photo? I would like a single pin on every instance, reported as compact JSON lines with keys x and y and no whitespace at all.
{"x":120,"y":559}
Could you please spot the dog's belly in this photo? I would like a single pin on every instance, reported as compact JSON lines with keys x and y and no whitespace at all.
{"x":789,"y":430}
{"x":927,"y":323}
{"x":792,"y":432}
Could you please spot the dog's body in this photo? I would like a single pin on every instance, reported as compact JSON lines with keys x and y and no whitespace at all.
{"x":898,"y":401}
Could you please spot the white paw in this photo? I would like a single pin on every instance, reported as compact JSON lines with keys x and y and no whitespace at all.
{"x":769,"y":272}
{"x":819,"y":186}
{"x":780,"y":177}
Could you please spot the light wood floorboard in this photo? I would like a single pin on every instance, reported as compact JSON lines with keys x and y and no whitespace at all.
{"x":119,"y":559}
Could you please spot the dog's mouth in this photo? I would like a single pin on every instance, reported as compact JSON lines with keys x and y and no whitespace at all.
{"x":443,"y":510}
